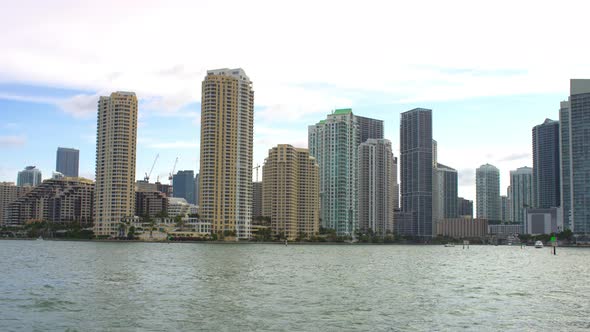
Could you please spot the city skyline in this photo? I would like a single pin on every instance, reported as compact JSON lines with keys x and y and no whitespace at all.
{"x":474,"y":93}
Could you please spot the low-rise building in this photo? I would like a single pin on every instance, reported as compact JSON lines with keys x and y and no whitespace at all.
{"x":543,"y":221}
{"x":150,"y":203}
{"x":462,"y":228}
{"x":504,"y":230}
{"x":160,"y":229}
{"x":178,"y":206}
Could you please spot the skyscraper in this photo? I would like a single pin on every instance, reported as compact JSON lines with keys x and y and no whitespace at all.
{"x":565,"y":163}
{"x":290,"y":181}
{"x":445,"y":193}
{"x":416,"y":168}
{"x":334,"y":143}
{"x":575,"y":150}
{"x":487,"y":187}
{"x":257,"y":199}
{"x":66,"y":161}
{"x":521,"y":185}
{"x":376,"y":186}
{"x":116,"y":140}
{"x":464,"y":207}
{"x":8,"y":194}
{"x":30,"y":176}
{"x":227,"y":119}
{"x":196,"y":189}
{"x":505,"y":209}
{"x":396,"y":184}
{"x":183,"y":185}
{"x":370,"y":128}
{"x":546,"y":168}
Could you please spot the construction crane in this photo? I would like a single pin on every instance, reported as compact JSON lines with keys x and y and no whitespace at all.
{"x":173,"y":169}
{"x":257,"y":168}
{"x":147,"y":176}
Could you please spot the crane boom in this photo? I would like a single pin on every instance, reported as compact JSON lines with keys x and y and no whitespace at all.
{"x":147,"y":176}
{"x":173,"y":169}
{"x":257,"y":167}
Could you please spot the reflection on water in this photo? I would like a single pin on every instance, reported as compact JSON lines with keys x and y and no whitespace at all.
{"x":88,"y":286}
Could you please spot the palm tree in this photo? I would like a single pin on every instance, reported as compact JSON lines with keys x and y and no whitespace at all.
{"x":152,"y":224}
{"x":179,"y":222}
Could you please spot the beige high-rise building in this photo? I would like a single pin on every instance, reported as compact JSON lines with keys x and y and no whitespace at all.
{"x":227,"y":119}
{"x":116,"y":140}
{"x":291,"y":192}
{"x":8,"y":194}
{"x":57,"y":200}
{"x":376,"y":186}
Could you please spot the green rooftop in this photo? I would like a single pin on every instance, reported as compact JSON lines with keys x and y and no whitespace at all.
{"x":342,"y":111}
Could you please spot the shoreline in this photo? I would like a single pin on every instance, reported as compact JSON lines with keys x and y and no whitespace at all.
{"x":273,"y":243}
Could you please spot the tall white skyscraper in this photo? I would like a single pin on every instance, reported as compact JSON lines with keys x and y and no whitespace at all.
{"x":521,"y":185}
{"x":487,"y":187}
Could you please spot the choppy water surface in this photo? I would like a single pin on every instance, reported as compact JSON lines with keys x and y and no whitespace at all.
{"x":87,"y":286}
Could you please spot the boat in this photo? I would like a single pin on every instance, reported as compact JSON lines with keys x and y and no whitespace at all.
{"x":449,"y":245}
{"x":538,"y":244}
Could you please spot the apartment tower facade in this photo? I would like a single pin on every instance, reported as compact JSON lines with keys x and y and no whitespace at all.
{"x":334,"y":143}
{"x":116,"y":141}
{"x":225,"y":176}
{"x":67,"y":161}
{"x":30,"y":176}
{"x":546,"y":167}
{"x":445,"y":192}
{"x":376,"y":187}
{"x":183,"y":185}
{"x":291,"y":192}
{"x":575,"y":146}
{"x":487,"y":192}
{"x":521,"y":186}
{"x":416,"y":156}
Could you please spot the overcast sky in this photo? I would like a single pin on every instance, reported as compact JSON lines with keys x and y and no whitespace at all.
{"x":490,"y":71}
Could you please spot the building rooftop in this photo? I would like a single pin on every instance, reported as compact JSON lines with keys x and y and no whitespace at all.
{"x":342,"y":111}
{"x":236,"y":72}
{"x":418,"y":110}
{"x":579,"y":86}
{"x":445,"y":167}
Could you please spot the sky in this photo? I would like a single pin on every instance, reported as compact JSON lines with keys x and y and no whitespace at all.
{"x":490,"y":71}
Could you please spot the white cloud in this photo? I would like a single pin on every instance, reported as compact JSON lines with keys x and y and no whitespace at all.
{"x":12,"y":141}
{"x":305,"y":57}
{"x":452,"y":50}
{"x":80,"y":106}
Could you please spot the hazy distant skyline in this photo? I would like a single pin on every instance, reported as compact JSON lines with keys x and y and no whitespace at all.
{"x":488,"y":73}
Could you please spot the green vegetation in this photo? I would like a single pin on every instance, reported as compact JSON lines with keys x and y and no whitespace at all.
{"x":56,"y":230}
{"x":179,"y":222}
{"x":264,"y":235}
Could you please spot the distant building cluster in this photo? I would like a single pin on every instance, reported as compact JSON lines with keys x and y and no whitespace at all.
{"x":345,"y":182}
